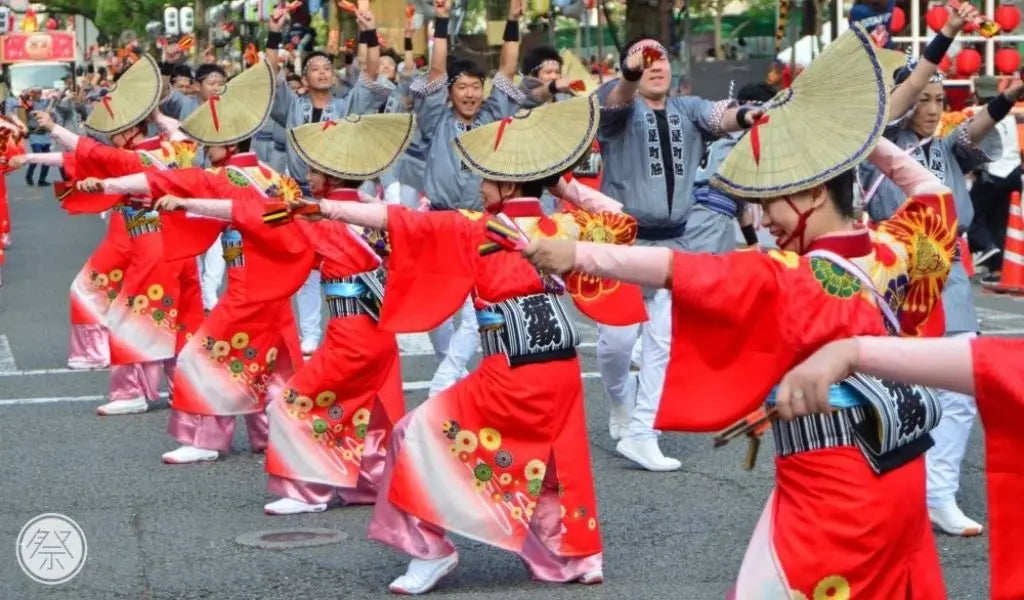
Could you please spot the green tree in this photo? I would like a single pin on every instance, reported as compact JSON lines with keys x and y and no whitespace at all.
{"x":86,"y":8}
{"x":114,"y":16}
{"x":715,"y":9}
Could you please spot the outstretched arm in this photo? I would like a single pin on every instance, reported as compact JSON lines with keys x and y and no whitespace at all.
{"x":374,"y":216}
{"x":944,"y":363}
{"x":643,"y":265}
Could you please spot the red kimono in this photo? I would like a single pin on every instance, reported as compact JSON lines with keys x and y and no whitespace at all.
{"x":480,"y":457}
{"x":250,"y":336}
{"x":321,"y":429}
{"x":833,"y":528}
{"x":999,"y":392}
{"x":158,"y":301}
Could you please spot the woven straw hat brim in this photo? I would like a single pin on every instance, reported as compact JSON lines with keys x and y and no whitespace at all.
{"x":891,"y":61}
{"x":827,"y":122}
{"x":532,"y":144}
{"x":130,"y":101}
{"x":357,"y":147}
{"x":573,"y":69}
{"x":236,"y":114}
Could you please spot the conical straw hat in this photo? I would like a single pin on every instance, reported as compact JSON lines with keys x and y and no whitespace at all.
{"x":827,"y":122}
{"x":891,"y":61}
{"x":573,"y":69}
{"x":238,"y":112}
{"x":532,"y":144}
{"x":131,"y":99}
{"x":357,"y":147}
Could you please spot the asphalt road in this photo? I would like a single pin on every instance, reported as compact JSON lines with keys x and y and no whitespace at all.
{"x":169,"y":532}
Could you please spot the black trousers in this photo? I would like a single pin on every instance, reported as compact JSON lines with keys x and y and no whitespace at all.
{"x":991,"y":199}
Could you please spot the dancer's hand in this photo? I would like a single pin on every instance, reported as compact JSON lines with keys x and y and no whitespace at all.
{"x":958,"y":18}
{"x":805,"y":389}
{"x":17,"y":161}
{"x":170,"y":202}
{"x":90,"y":184}
{"x":44,"y":119}
{"x":551,"y":255}
{"x":298,"y":205}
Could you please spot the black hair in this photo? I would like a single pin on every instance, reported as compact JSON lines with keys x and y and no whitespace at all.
{"x":204,"y":71}
{"x":293,"y":77}
{"x":463,"y":66}
{"x":840,"y":189}
{"x":633,"y":42}
{"x":901,"y":74}
{"x":392,"y":54}
{"x":535,"y":188}
{"x":316,"y":54}
{"x":537,"y":57}
{"x":180,"y":70}
{"x":759,"y":92}
{"x":244,"y":145}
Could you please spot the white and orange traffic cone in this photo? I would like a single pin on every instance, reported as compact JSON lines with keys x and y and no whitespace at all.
{"x":1011,"y":281}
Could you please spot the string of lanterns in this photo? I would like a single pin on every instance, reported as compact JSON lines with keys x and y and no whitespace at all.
{"x":968,"y":61}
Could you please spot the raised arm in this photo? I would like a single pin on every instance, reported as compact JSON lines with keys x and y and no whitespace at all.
{"x":509,"y":61}
{"x":904,"y":171}
{"x":570,"y":189}
{"x":995,"y":111}
{"x":904,"y":97}
{"x":439,"y":54}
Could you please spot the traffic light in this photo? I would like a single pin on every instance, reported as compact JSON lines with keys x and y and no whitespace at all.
{"x":171,"y":20}
{"x":186,"y":19}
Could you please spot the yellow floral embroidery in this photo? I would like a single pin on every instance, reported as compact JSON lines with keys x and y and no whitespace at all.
{"x":325,"y":398}
{"x":490,"y":439}
{"x":472,"y":215}
{"x":116,"y":275}
{"x":835,"y":587}
{"x":240,"y":340}
{"x":465,"y":441}
{"x":790,"y":259}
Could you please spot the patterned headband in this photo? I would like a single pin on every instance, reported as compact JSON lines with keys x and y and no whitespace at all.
{"x":545,"y":63}
{"x":642,"y":44}
{"x":937,"y":77}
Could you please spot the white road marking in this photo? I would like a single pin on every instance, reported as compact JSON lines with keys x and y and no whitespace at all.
{"x":408,"y":386}
{"x":407,"y":347}
{"x":7,"y":364}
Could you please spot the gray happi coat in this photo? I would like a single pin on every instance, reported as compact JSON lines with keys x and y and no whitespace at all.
{"x":447,"y":182}
{"x":291,"y":110}
{"x":633,"y":169}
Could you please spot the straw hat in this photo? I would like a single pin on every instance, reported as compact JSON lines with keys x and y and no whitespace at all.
{"x":828,"y":121}
{"x":129,"y":101}
{"x":357,"y":147}
{"x":238,"y":112}
{"x":573,"y":69}
{"x":532,"y":144}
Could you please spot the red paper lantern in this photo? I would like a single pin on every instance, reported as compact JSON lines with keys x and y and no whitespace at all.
{"x":1007,"y":61}
{"x":936,"y":17}
{"x":899,"y":20}
{"x":944,"y":64}
{"x":968,"y":62}
{"x":1008,"y":17}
